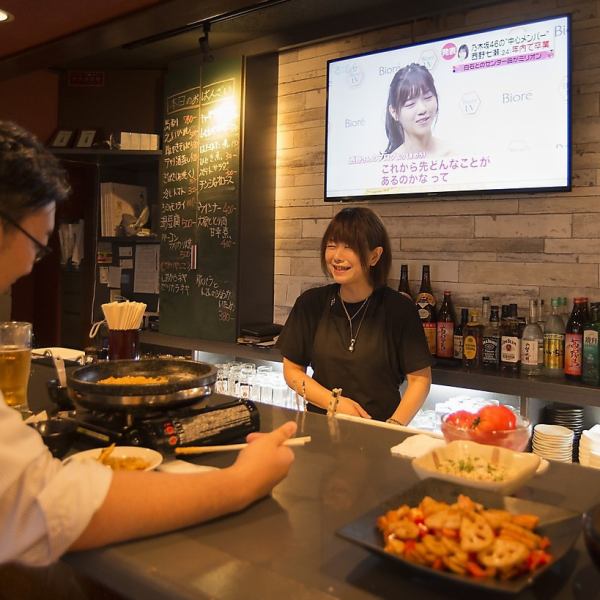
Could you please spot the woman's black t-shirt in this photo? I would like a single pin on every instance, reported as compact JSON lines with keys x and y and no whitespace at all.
{"x":389,"y":344}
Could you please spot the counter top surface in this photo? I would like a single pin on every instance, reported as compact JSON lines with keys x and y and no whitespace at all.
{"x":285,"y":546}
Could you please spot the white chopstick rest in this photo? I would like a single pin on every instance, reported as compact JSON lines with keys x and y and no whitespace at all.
{"x":299,"y":441}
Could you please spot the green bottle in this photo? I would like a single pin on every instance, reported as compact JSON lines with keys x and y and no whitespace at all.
{"x":591,"y":355}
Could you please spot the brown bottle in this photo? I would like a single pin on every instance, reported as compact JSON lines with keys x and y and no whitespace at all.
{"x":445,"y":328}
{"x":472,"y":337}
{"x":574,"y":340}
{"x":458,"y":334}
{"x":403,"y":286}
{"x":426,"y":309}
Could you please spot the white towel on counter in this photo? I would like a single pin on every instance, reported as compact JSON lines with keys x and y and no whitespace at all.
{"x":416,"y":445}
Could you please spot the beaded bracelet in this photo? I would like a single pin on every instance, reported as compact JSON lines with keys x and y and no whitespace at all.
{"x":394,"y":422}
{"x":334,"y":401}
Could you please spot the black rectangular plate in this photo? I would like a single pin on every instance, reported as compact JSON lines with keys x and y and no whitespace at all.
{"x":561,"y":525}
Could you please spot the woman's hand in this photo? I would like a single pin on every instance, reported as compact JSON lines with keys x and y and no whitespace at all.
{"x":350,"y":407}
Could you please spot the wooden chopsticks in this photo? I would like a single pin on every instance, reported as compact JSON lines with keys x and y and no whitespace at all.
{"x":298,"y":441}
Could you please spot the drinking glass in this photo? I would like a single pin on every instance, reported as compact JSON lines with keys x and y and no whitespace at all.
{"x":246,"y":380}
{"x":15,"y":362}
{"x":123,"y":344}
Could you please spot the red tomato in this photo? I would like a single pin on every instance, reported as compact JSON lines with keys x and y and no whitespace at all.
{"x":495,"y":418}
{"x":462,"y":419}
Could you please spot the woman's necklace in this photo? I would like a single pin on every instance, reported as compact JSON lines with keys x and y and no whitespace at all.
{"x":354,"y":337}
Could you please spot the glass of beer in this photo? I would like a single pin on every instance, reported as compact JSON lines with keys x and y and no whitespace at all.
{"x":15,"y":362}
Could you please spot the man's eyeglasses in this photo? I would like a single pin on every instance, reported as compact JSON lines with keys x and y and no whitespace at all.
{"x":41,"y":250}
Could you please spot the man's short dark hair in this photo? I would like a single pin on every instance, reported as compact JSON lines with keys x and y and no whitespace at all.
{"x":30,"y":176}
{"x":363,"y":231}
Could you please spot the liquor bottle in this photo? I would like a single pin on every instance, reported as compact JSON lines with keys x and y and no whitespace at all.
{"x":541,"y":316}
{"x":564,"y":311}
{"x":574,"y":341}
{"x":426,"y":309}
{"x":532,"y":343}
{"x":472,"y":337}
{"x":503,"y":315}
{"x":510,"y":342}
{"x":403,"y":286}
{"x":445,"y":328}
{"x":490,"y":344}
{"x":485,"y":310}
{"x":591,"y":354}
{"x":554,"y":341}
{"x":586,"y":309}
{"x":458,"y":334}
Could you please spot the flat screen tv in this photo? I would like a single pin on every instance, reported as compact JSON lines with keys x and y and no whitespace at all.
{"x":481,"y":112}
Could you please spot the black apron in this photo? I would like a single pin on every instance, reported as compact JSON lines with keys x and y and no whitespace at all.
{"x":369,"y":375}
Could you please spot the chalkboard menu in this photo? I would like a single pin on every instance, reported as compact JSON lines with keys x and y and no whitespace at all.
{"x":199,"y":199}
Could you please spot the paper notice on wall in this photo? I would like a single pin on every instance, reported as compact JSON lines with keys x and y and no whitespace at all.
{"x":114,"y":277}
{"x":145,"y":278}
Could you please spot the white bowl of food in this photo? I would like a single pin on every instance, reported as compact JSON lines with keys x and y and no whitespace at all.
{"x":477,"y":465}
{"x":121,"y":458}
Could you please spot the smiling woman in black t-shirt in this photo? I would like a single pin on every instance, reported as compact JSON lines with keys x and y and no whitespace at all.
{"x":357,"y":333}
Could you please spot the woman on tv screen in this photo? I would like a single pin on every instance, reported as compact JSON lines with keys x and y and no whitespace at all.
{"x":412,"y":110}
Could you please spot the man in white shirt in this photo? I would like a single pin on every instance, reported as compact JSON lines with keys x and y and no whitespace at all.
{"x":47,"y":508}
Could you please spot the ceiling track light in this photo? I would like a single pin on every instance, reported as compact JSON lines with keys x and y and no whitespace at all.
{"x":151,"y":39}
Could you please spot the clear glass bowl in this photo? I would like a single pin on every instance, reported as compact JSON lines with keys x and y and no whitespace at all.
{"x":513,"y":439}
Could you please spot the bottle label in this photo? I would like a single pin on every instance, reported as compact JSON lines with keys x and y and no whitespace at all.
{"x":554,"y":350}
{"x":458,"y":346}
{"x":424,"y":312}
{"x":445,"y":339}
{"x":490,"y":350}
{"x":425,"y":299}
{"x":590,"y":338}
{"x":573,"y":353}
{"x":510,"y":351}
{"x":591,"y":357}
{"x":529,"y":353}
{"x":430,"y":331}
{"x":470,"y":347}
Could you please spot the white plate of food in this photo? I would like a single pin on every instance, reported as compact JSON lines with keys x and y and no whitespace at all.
{"x":480,"y":466}
{"x":121,"y":458}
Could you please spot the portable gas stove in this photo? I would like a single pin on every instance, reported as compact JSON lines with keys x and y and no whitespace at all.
{"x":160,"y":415}
{"x":198,"y":424}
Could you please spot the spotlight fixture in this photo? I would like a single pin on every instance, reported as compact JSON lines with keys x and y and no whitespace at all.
{"x":5,"y":17}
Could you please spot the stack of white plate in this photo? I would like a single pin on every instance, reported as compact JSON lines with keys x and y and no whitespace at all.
{"x":589,"y":447}
{"x":553,"y":442}
{"x":567,"y":416}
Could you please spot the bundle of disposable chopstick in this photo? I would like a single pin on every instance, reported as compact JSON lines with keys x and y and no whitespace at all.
{"x":124,"y":315}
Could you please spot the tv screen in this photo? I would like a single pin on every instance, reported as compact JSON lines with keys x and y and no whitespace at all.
{"x":484,"y":111}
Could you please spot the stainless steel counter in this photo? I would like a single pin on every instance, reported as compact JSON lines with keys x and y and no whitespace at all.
{"x":286,"y":547}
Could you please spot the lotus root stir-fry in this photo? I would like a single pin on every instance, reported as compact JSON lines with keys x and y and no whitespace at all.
{"x":465,"y":538}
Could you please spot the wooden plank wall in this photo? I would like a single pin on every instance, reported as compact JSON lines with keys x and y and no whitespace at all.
{"x":511,"y":247}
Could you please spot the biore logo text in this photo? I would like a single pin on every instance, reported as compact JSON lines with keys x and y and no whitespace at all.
{"x":448,"y":51}
{"x":388,"y":70}
{"x":560,"y":30}
{"x":515,"y":97}
{"x":356,"y":123}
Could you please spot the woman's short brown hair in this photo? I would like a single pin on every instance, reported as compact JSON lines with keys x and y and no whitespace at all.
{"x":363,"y":231}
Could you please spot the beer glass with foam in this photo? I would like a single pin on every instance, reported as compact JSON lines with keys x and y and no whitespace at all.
{"x":15,"y":361}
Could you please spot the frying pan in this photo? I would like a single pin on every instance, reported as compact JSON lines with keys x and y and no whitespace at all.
{"x":188,"y":381}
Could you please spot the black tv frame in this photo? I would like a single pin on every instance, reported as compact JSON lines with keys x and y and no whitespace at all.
{"x":409,"y":196}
